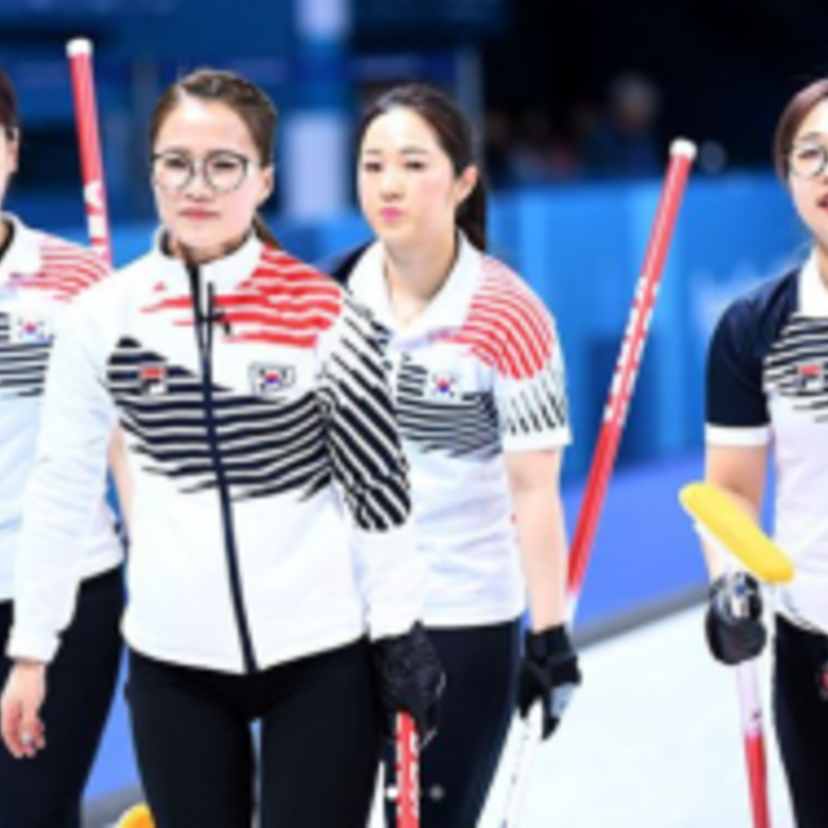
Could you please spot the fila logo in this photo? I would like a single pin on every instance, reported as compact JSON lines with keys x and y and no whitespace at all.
{"x":30,"y":330}
{"x":153,"y":379}
{"x":810,"y":376}
{"x":268,"y":380}
{"x":442,"y":385}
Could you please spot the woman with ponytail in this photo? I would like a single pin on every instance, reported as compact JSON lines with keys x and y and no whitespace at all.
{"x":477,"y":374}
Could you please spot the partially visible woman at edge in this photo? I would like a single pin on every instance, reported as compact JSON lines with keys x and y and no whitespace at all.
{"x":272,"y":574}
{"x":477,"y":373}
{"x":767,"y":397}
{"x":41,"y":276}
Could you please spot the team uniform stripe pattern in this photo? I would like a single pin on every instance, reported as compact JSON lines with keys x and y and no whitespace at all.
{"x":538,"y":405}
{"x":366,"y":453}
{"x":283,"y":302}
{"x":22,"y":364}
{"x":509,"y":329}
{"x":438,"y":417}
{"x":797,"y":365}
{"x":26,"y":332}
{"x":67,"y":270}
{"x":266,"y":447}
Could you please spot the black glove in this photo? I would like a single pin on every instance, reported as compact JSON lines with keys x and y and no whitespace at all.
{"x":410,"y":679}
{"x":733,"y":624}
{"x":549,"y":674}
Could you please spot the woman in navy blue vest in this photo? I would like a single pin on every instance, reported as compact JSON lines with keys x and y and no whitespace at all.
{"x":767,"y":403}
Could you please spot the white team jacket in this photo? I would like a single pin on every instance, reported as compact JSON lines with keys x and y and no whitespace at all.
{"x":40,"y":276}
{"x":271,"y":510}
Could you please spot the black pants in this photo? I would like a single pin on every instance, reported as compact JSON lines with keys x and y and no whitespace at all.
{"x":47,"y":791}
{"x":320,"y":742}
{"x":802,"y":720}
{"x":458,"y":767}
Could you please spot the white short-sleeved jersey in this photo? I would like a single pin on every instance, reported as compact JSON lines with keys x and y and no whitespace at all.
{"x":40,"y":275}
{"x":479,"y":373}
{"x":767,"y":383}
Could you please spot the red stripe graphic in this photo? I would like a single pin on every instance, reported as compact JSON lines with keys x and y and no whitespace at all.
{"x":283,"y":302}
{"x":66,"y":270}
{"x":507,"y":326}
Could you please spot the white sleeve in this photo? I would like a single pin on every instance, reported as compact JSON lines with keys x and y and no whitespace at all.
{"x":65,"y":488}
{"x":530,"y":386}
{"x":372,"y":474}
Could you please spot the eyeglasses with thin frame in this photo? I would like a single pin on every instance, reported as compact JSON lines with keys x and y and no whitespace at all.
{"x":223,"y":170}
{"x":808,"y":159}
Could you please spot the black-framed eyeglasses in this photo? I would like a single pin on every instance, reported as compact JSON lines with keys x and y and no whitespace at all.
{"x":808,"y":159}
{"x":223,"y":171}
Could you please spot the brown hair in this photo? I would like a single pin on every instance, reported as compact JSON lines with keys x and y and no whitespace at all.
{"x":791,"y":119}
{"x":455,"y":136}
{"x":9,"y":117}
{"x":246,"y":99}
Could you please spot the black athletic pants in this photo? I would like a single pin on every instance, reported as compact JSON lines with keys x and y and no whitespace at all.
{"x":47,"y":791}
{"x":319,"y":742}
{"x":802,"y":719}
{"x":458,"y":767}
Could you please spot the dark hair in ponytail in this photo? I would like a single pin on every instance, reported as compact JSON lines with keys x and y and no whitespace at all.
{"x":264,"y":233}
{"x":9,"y":116}
{"x":454,"y":134}
{"x":247,"y":100}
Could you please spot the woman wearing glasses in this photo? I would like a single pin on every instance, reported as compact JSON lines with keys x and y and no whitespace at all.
{"x":40,"y":277}
{"x":272,"y":574}
{"x":767,"y":400}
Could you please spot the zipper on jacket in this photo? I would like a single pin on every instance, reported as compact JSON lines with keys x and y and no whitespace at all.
{"x":204,"y":339}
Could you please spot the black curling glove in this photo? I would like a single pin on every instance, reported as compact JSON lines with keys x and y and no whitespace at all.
{"x":410,"y":679}
{"x":549,"y":674}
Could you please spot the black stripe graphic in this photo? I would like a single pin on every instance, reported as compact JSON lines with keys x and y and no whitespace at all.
{"x":797,"y":366}
{"x":367,"y":457}
{"x":459,"y":426}
{"x":538,"y":405}
{"x":267,"y":446}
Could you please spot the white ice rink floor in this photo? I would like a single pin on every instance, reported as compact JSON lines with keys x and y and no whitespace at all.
{"x":652,"y":740}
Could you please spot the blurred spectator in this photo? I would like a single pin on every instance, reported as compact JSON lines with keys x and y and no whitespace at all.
{"x":539,"y":155}
{"x":497,"y":148}
{"x":531,"y":153}
{"x":623,"y":142}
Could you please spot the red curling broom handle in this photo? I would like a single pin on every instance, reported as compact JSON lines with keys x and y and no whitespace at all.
{"x":408,"y":773}
{"x":682,"y":153}
{"x":79,"y":52}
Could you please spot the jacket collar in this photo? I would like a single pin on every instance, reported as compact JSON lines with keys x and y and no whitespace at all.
{"x":447,"y":310}
{"x":23,"y":257}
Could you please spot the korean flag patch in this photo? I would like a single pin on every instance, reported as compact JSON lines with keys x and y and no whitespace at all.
{"x":269,"y":380}
{"x":29,"y":329}
{"x":442,"y":386}
{"x":153,"y":378}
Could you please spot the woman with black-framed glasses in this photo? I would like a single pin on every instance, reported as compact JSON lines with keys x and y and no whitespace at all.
{"x":767,"y":400}
{"x":272,"y":572}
